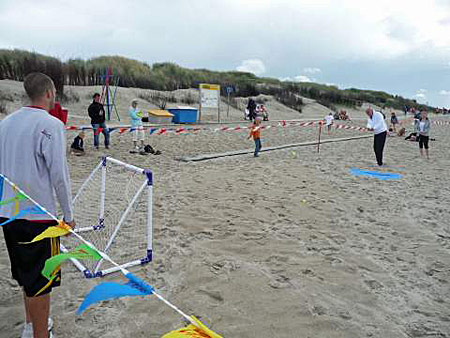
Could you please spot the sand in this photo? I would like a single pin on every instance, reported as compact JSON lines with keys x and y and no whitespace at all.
{"x":289,"y":244}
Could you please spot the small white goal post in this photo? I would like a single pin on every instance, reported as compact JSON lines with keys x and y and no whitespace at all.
{"x":113,"y":211}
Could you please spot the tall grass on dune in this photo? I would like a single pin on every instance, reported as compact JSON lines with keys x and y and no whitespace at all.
{"x":167,"y":76}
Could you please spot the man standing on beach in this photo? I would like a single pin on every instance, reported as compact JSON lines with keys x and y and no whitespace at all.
{"x":97,"y":115}
{"x":33,"y":156}
{"x":376,"y":124}
{"x":251,"y":109}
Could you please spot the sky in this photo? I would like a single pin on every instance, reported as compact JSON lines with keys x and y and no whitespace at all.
{"x":398,"y":46}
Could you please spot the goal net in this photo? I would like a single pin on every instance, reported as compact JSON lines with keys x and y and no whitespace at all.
{"x":113,"y":211}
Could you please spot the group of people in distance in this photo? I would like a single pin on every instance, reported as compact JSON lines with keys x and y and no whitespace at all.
{"x":342,"y":115}
{"x":376,"y":123}
{"x":96,"y":112}
{"x":254,"y":110}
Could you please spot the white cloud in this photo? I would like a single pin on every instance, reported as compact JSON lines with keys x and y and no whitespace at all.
{"x":303,"y":78}
{"x":298,"y":78}
{"x":421,"y":94}
{"x":444,"y":92}
{"x":385,"y":29}
{"x":255,"y":66}
{"x":311,"y":70}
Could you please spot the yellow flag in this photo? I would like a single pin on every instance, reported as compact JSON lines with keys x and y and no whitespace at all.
{"x":50,"y":232}
{"x":202,"y":331}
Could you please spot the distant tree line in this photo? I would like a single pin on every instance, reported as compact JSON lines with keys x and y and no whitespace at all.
{"x":15,"y":64}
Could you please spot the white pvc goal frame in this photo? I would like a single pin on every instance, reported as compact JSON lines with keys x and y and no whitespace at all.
{"x":147,"y":184}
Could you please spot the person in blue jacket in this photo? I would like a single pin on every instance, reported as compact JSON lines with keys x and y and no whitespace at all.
{"x":137,"y":127}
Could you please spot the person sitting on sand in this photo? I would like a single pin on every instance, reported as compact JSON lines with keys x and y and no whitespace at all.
{"x":391,"y":132}
{"x":401,"y":131}
{"x":264,"y":113}
{"x":412,"y":137}
{"x":77,"y":147}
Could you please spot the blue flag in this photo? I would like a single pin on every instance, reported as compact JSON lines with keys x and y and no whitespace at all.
{"x":377,"y":174}
{"x":111,"y":290}
{"x":34,"y":210}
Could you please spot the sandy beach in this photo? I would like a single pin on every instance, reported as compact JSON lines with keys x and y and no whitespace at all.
{"x":289,"y":244}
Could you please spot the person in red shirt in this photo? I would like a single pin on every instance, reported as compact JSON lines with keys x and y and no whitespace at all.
{"x":255,"y":132}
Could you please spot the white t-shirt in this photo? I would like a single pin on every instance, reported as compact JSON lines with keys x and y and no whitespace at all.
{"x":421,"y":126}
{"x":329,"y":119}
{"x":377,"y":123}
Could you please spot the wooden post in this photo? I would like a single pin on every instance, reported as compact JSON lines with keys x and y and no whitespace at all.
{"x":218,"y":106}
{"x":200,"y":105}
{"x":320,"y":132}
{"x":228,"y":109}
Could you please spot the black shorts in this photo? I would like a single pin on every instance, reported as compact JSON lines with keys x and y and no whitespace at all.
{"x":28,"y":260}
{"x":423,"y":141}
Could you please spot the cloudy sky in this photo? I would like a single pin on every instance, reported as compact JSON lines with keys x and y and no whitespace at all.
{"x":399,"y":46}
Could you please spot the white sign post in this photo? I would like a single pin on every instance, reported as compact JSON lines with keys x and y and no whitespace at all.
{"x":209,"y":98}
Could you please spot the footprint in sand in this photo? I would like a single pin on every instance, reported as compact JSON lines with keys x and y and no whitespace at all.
{"x":215,"y":296}
{"x":373,"y":284}
{"x":280,"y":282}
{"x":318,"y":310}
{"x":223,"y":267}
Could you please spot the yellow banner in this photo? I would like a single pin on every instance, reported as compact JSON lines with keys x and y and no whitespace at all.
{"x":209,"y":86}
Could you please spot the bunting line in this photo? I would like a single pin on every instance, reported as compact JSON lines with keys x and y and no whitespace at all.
{"x":134,"y":287}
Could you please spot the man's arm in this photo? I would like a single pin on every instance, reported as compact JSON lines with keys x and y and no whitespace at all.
{"x":54,"y":151}
{"x":93,"y":111}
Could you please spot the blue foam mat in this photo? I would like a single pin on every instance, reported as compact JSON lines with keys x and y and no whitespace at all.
{"x":377,"y":174}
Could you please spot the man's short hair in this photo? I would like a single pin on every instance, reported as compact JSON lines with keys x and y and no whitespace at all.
{"x":95,"y":95}
{"x":37,"y":84}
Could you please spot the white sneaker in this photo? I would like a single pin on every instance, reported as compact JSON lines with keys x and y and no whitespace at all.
{"x":27,"y":331}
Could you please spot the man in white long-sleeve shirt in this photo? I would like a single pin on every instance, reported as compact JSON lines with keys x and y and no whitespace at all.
{"x":33,"y":156}
{"x":376,"y":123}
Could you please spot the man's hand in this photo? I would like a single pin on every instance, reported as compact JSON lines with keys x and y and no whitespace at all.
{"x":71,"y":224}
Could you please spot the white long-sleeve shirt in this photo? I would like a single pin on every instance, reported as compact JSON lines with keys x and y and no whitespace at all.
{"x":377,"y":123}
{"x":33,"y":156}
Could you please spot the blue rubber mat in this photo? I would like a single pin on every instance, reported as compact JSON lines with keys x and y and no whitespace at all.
{"x":377,"y":174}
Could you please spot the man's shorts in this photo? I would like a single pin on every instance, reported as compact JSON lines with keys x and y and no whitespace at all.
{"x":28,"y":260}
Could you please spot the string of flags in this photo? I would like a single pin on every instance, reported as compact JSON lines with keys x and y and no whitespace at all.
{"x":134,"y":286}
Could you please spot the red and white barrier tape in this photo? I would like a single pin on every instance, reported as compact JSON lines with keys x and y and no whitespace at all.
{"x":284,"y":124}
